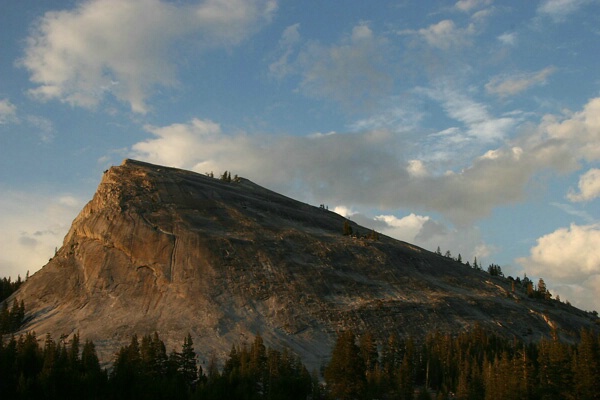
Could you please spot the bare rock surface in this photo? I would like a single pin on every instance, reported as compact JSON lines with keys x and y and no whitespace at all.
{"x":167,"y":250}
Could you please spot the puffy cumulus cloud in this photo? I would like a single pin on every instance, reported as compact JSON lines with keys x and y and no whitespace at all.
{"x":567,"y":254}
{"x":406,"y":228}
{"x":193,"y":144}
{"x":344,"y":211}
{"x":509,"y":85}
{"x":578,"y":134}
{"x":353,"y":72}
{"x":121,"y":48}
{"x":33,"y":225}
{"x":376,"y":168}
{"x":446,"y":35}
{"x":589,"y":186}
{"x":416,"y":168}
{"x":8,"y":111}
{"x":569,"y":257}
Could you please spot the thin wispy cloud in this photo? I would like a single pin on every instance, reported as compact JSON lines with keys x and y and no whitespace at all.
{"x":8,"y":111}
{"x":508,"y":38}
{"x":354,"y":72}
{"x":559,"y":10}
{"x":470,"y":5}
{"x":512,"y":84}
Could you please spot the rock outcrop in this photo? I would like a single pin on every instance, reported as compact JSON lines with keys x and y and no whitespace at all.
{"x":167,"y":250}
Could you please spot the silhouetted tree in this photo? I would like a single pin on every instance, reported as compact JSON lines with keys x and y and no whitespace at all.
{"x":188,"y":369}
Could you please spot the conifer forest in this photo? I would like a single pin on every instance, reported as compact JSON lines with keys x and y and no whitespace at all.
{"x":471,"y":365}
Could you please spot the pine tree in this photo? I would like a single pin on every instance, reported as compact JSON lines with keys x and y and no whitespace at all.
{"x":188,"y":368}
{"x":586,"y":367}
{"x":406,"y":372}
{"x":345,"y":373}
{"x":554,"y":370}
{"x":93,"y":378}
{"x":370,"y":355}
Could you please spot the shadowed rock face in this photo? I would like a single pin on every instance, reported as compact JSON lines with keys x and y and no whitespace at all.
{"x":167,"y":250}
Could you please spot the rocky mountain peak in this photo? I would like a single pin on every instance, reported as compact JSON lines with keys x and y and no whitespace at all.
{"x":167,"y":250}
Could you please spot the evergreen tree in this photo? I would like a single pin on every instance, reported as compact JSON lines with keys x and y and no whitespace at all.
{"x":586,"y":367}
{"x":93,"y":378}
{"x":345,"y":373}
{"x":370,"y":355}
{"x":127,"y":370}
{"x":554,"y":369}
{"x":406,"y":372}
{"x":188,"y":368}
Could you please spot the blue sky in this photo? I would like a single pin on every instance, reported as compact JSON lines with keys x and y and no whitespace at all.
{"x":471,"y":125}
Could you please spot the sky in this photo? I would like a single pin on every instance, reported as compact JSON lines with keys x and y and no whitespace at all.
{"x":470,"y":125}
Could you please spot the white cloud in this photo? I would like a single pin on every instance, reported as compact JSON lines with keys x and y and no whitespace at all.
{"x":122,"y":48}
{"x":430,"y":234}
{"x":398,"y":113}
{"x":574,"y":211}
{"x":559,"y":9}
{"x":446,"y":35}
{"x":578,"y":134}
{"x":569,"y":256}
{"x":589,"y":186}
{"x":417,"y":169}
{"x":405,"y":228}
{"x":289,"y":40}
{"x":468,"y":5}
{"x":475,"y":116}
{"x":33,"y":225}
{"x":509,"y":85}
{"x":344,"y":211}
{"x":198,"y":144}
{"x":8,"y":111}
{"x":508,"y":38}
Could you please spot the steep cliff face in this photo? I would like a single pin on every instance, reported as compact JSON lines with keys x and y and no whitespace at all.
{"x":167,"y":250}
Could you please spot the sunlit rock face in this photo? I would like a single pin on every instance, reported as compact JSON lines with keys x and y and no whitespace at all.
{"x":167,"y":250}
